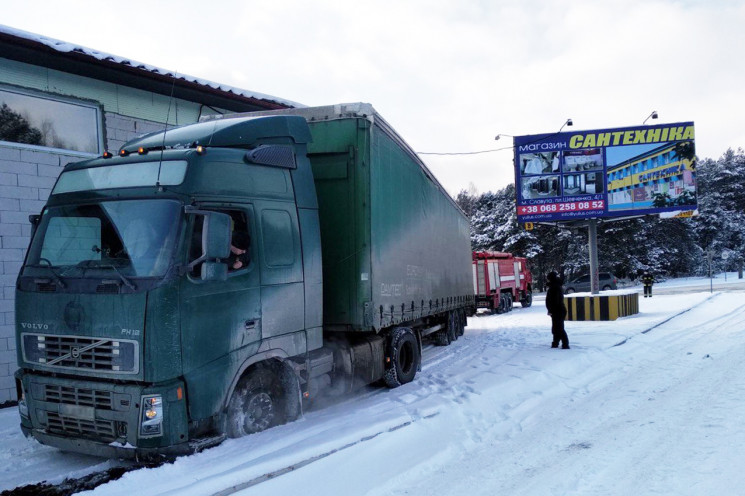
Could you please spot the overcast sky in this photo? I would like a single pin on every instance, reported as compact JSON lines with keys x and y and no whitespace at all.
{"x":449,"y":75}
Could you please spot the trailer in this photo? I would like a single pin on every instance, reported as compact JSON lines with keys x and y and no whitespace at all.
{"x":500,"y":279}
{"x":208,"y":281}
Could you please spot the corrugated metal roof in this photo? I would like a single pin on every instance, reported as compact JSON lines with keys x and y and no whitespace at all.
{"x":68,"y":48}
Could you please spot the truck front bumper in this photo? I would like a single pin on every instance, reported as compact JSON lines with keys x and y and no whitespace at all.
{"x":103,"y":418}
{"x":111,"y":450}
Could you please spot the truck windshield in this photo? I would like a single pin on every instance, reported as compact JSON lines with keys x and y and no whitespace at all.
{"x":135,"y":237}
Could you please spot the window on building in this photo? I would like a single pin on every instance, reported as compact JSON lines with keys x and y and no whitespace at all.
{"x":44,"y":120}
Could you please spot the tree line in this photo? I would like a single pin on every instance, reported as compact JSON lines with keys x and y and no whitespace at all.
{"x":667,"y":247}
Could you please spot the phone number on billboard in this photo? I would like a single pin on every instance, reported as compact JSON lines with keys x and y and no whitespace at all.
{"x":561,"y":207}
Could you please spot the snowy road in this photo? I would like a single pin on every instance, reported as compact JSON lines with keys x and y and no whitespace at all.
{"x":649,"y":404}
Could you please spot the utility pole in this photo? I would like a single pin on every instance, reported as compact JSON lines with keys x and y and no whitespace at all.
{"x":592,"y":241}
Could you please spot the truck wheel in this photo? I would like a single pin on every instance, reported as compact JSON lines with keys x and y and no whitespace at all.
{"x":256,"y":404}
{"x":528,"y":300}
{"x":403,"y":350}
{"x":500,"y":308}
{"x":453,"y":326}
{"x":509,"y":302}
{"x":442,"y":338}
{"x":461,"y":322}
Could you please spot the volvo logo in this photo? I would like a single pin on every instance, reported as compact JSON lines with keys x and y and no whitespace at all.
{"x":75,"y":352}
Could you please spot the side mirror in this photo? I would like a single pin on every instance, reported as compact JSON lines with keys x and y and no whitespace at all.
{"x":216,"y":236}
{"x":214,"y":271}
{"x":215,"y":245}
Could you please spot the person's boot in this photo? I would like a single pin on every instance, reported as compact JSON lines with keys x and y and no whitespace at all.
{"x":565,"y":347}
{"x":554,"y":345}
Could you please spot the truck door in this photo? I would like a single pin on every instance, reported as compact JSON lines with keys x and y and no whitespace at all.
{"x":280,"y":263}
{"x":219,"y":318}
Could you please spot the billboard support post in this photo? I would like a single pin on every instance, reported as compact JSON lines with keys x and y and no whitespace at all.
{"x":592,"y":241}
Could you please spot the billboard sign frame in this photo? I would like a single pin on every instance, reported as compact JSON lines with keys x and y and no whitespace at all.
{"x":605,"y":173}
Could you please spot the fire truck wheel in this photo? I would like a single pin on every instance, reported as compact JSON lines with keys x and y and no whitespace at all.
{"x":528,"y":300}
{"x":403,"y":350}
{"x":509,"y":303}
{"x":256,"y":404}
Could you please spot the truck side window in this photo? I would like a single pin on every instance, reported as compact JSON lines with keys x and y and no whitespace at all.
{"x":240,"y":245}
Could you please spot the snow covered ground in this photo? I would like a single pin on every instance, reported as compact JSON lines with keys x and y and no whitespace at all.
{"x":648,"y":404}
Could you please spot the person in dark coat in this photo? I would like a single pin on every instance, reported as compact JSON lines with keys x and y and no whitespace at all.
{"x":647,"y":280}
{"x":557,"y":310}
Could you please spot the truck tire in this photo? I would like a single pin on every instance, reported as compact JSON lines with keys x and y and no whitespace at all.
{"x":509,"y":302}
{"x":403,"y":350}
{"x":500,"y":307}
{"x":256,"y":404}
{"x":442,"y":338}
{"x":528,"y":300}
{"x":461,"y":322}
{"x":453,"y":326}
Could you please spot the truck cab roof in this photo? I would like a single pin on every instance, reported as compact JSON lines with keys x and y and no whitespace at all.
{"x":238,"y":132}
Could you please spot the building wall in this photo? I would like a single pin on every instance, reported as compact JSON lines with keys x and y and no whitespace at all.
{"x":27,"y":173}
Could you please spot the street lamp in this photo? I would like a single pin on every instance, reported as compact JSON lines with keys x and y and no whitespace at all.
{"x":653,"y":115}
{"x":567,"y":123}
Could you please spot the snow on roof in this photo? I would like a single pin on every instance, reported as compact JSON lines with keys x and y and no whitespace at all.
{"x":65,"y":47}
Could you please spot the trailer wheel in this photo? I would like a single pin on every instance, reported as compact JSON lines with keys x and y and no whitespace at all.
{"x":442,"y":338}
{"x":453,"y":326}
{"x":256,"y":404}
{"x":403,"y":351}
{"x":528,"y":300}
{"x":461,"y":322}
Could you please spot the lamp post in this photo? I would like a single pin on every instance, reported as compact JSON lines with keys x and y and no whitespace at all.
{"x":653,"y":115}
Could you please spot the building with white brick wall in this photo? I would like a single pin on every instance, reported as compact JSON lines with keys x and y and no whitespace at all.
{"x":61,"y":103}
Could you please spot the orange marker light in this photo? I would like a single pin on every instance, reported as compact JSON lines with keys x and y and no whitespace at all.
{"x":179,"y":394}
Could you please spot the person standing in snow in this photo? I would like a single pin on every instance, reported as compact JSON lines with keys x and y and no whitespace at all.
{"x":557,"y":310}
{"x":647,"y":280}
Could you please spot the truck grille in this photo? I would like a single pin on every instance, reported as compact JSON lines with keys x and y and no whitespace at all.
{"x":78,"y":352}
{"x":101,"y":400}
{"x":98,"y":430}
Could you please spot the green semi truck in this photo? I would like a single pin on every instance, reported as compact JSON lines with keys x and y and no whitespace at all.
{"x":211,"y":279}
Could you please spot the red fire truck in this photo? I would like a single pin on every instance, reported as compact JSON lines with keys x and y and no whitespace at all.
{"x":500,"y":279}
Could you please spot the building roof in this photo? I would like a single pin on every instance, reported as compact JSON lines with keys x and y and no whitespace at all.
{"x":68,"y":57}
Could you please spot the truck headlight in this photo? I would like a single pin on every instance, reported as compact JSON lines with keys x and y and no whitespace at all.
{"x":151,"y":420}
{"x":22,"y":405}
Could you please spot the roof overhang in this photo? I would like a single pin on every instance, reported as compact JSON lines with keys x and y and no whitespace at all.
{"x":53,"y":54}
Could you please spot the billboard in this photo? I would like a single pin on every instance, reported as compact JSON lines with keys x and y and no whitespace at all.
{"x":620,"y":172}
